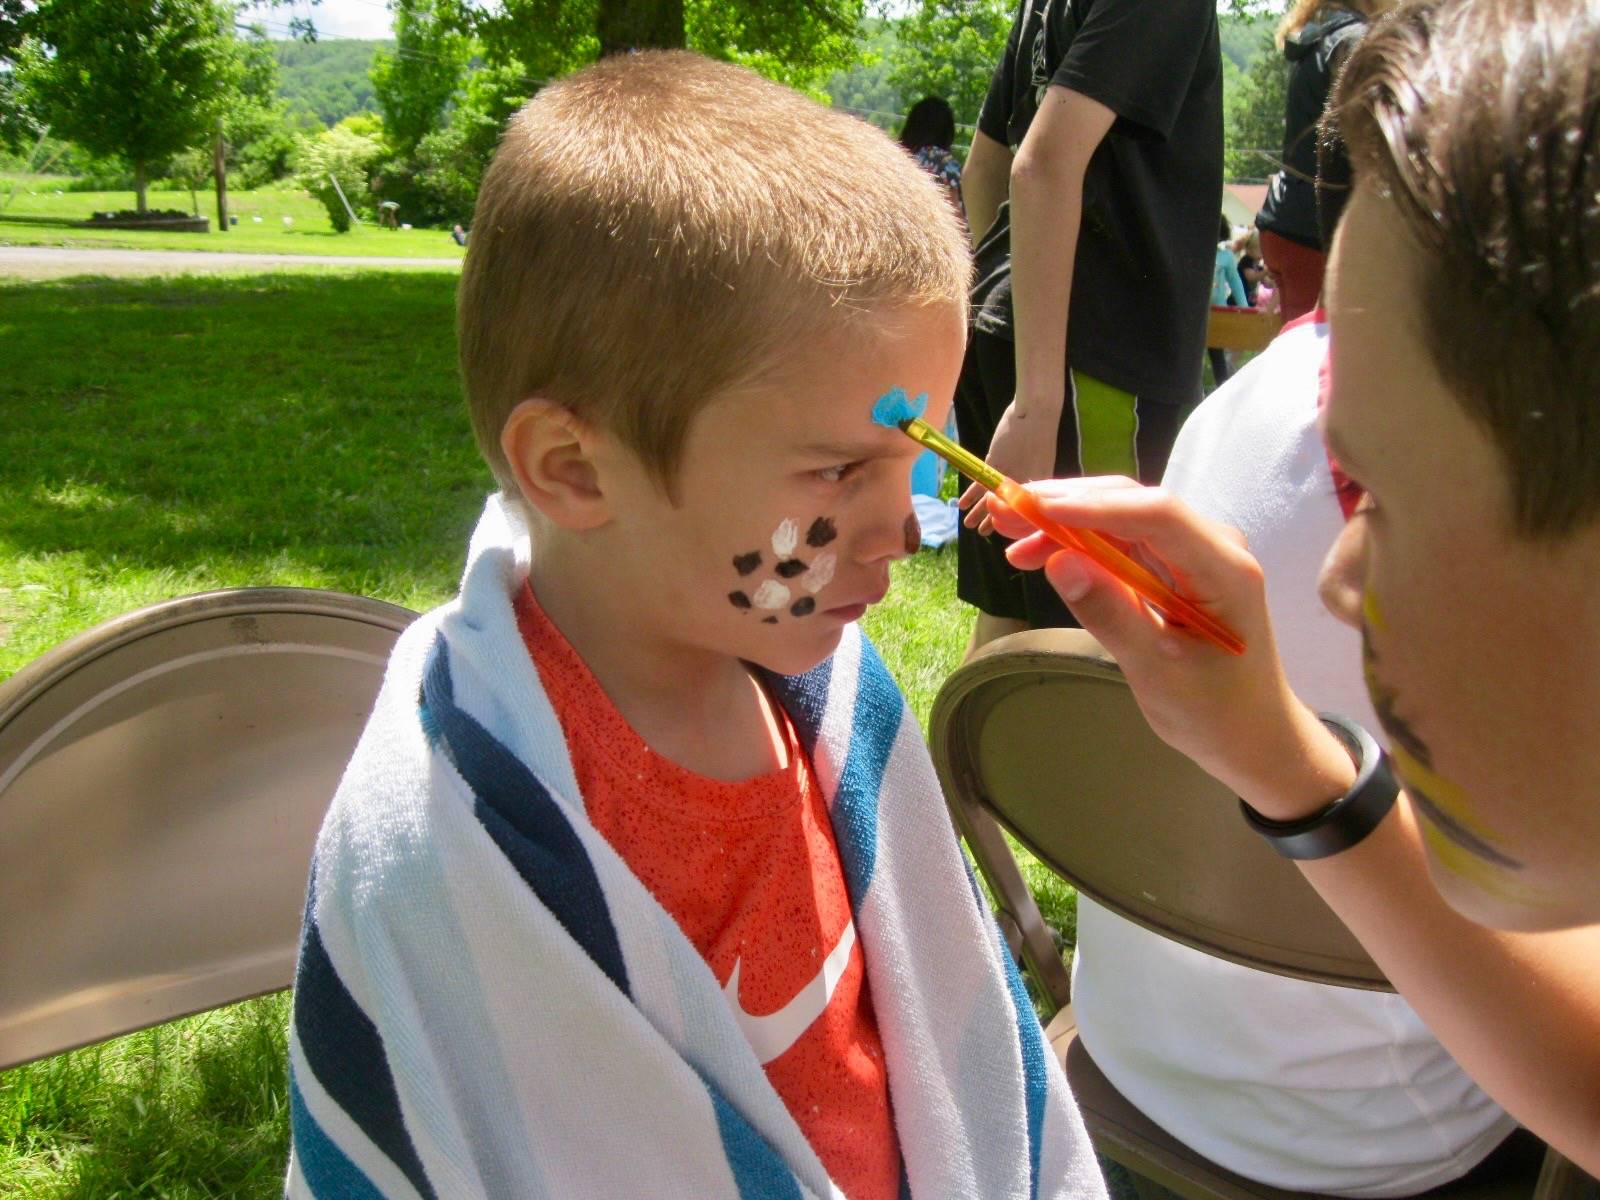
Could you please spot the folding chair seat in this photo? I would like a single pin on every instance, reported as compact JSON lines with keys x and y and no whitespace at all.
{"x":1040,"y":736}
{"x":162,"y":779}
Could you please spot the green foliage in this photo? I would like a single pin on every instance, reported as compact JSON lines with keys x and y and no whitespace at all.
{"x":437,"y":183}
{"x":260,"y":145}
{"x":549,"y":37}
{"x":257,"y":135}
{"x":1242,"y":36}
{"x":142,"y":79}
{"x":342,"y":154}
{"x":1253,"y":112}
{"x":865,"y":86}
{"x":415,"y":82}
{"x":798,"y":42}
{"x":949,"y":48}
{"x":18,"y":129}
{"x":324,"y":82}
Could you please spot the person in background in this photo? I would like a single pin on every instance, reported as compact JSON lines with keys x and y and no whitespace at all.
{"x":1092,"y":189}
{"x":1247,"y":248}
{"x":928,"y":133}
{"x":1227,"y":288}
{"x":1298,"y":216}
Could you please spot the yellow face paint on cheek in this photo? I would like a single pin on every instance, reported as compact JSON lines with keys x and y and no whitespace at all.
{"x":1476,"y":852}
{"x":1371,"y":613}
{"x":1443,"y":803}
{"x":1466,"y":866}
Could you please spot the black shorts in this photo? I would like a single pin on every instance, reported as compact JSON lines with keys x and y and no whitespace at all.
{"x":988,"y":380}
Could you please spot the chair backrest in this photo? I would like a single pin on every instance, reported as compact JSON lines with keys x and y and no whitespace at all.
{"x":162,"y":779}
{"x":1241,"y":328}
{"x":1040,"y":733}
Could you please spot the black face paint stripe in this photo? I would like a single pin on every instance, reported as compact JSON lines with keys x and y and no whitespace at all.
{"x":803,"y":607}
{"x":745,"y":563}
{"x":1454,"y":831}
{"x":913,"y":532}
{"x":769,"y":620}
{"x":789,"y":568}
{"x":739,"y":600}
{"x":821,"y":532}
{"x":1384,"y":703}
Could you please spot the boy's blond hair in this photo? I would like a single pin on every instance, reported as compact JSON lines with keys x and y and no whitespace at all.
{"x":659,"y":228}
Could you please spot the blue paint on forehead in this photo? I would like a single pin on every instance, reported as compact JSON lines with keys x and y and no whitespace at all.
{"x":895,"y":406}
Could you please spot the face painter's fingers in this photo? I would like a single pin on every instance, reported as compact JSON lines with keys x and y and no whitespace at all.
{"x":977,"y":500}
{"x":1014,"y":526}
{"x":1202,"y":555}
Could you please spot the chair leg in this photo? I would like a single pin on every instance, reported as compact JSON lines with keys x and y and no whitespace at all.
{"x":993,"y":856}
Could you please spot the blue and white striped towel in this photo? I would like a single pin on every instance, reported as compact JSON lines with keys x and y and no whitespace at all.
{"x":489,"y":1004}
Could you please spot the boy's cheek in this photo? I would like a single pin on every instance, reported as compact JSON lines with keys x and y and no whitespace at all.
{"x":780,"y":577}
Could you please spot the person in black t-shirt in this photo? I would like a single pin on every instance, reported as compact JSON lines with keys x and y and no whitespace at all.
{"x":1092,"y":190}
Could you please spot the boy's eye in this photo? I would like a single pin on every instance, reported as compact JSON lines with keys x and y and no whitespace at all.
{"x":835,"y":474}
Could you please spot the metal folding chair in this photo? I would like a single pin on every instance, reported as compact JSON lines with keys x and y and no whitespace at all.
{"x":162,"y":779}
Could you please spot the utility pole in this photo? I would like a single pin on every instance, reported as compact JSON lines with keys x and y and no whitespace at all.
{"x":219,"y":169}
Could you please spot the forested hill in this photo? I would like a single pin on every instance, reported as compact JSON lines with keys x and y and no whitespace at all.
{"x":327,"y":79}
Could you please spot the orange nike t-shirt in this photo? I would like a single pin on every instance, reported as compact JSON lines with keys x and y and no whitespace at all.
{"x":751,"y":873}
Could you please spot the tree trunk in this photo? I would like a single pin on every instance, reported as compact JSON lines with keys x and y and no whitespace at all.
{"x":219,"y":169}
{"x":640,"y":25}
{"x":138,"y":185}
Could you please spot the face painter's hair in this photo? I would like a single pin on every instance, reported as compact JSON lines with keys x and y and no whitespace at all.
{"x":1481,"y":119}
{"x":659,"y":229}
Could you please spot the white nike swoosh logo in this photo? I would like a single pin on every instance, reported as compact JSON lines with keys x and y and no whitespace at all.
{"x":774,"y":1033}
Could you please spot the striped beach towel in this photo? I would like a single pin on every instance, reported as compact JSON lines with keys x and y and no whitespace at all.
{"x":489,"y":1004}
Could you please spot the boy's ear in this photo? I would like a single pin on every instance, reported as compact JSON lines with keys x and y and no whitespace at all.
{"x":551,"y":454}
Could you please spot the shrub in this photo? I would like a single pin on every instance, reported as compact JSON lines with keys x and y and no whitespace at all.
{"x":338,"y":154}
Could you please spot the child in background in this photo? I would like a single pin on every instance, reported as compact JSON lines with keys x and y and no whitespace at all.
{"x":639,"y":881}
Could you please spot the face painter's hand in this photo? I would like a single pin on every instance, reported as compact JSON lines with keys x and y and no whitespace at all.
{"x":1023,"y":447}
{"x":1234,"y":715}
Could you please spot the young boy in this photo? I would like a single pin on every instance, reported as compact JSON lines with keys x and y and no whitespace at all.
{"x":639,"y":882}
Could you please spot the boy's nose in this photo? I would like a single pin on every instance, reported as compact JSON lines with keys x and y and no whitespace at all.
{"x":891,"y":539}
{"x":1344,"y":572}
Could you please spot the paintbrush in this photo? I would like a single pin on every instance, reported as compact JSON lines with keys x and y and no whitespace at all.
{"x":1150,"y":587}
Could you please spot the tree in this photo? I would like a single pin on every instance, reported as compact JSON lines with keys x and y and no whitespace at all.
{"x":415,"y":82}
{"x":140,"y":79}
{"x":865,"y":86}
{"x":16,"y":124}
{"x":255,"y":127}
{"x":799,"y":42}
{"x":1253,"y":117}
{"x":950,"y":48}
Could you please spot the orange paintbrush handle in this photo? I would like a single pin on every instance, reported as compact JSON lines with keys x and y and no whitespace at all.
{"x":1137,"y":576}
{"x":1085,"y":541}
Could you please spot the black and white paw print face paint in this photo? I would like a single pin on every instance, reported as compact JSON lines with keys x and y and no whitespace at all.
{"x":798,"y":572}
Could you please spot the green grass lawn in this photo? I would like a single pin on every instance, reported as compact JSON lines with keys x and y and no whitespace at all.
{"x":162,"y":437}
{"x":41,"y":213}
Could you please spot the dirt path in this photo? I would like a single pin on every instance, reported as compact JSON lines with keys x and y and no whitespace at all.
{"x":52,"y":262}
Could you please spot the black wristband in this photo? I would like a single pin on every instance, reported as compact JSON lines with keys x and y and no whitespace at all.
{"x":1349,"y":818}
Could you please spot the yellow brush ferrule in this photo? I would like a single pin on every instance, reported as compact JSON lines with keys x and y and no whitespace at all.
{"x":967,"y":463}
